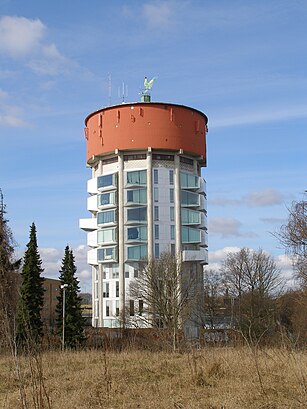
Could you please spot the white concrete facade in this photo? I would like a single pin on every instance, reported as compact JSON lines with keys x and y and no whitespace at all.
{"x":142,"y":203}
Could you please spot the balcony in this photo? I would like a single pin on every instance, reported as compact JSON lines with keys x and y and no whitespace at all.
{"x":92,"y":239}
{"x":92,"y":203}
{"x":107,"y":182}
{"x":195,"y":255}
{"x":92,"y":257}
{"x":92,"y":186}
{"x":88,"y":224}
{"x":189,"y":181}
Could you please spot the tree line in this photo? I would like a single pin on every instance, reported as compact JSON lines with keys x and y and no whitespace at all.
{"x":21,"y":304}
{"x":246,"y":294}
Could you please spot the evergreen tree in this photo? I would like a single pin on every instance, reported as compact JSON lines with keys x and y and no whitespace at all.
{"x":8,"y":282}
{"x":74,"y":322}
{"x":29,"y":322}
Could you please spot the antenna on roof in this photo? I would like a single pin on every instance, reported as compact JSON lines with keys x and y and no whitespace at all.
{"x":145,"y":94}
{"x":123,"y":93}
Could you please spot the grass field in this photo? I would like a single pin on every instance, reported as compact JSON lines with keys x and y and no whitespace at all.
{"x":212,"y":378}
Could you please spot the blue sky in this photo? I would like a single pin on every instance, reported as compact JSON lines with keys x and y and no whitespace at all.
{"x":243,"y":63}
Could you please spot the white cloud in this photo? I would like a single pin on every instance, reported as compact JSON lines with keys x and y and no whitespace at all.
{"x":266,"y":197}
{"x":217,"y":257}
{"x":20,"y":36}
{"x":263,"y":115}
{"x":227,"y":227}
{"x":52,"y":261}
{"x":3,"y":94}
{"x":283,"y":263}
{"x":11,"y":116}
{"x":273,"y":220}
{"x":24,"y":38}
{"x":159,"y":14}
{"x":50,"y":62}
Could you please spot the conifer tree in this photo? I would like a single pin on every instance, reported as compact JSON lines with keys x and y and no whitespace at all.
{"x":8,"y":283}
{"x":73,"y":320}
{"x":29,"y":321}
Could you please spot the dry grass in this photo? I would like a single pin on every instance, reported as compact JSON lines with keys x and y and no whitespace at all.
{"x":212,"y":378}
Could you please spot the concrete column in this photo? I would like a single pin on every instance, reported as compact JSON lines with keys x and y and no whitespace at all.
{"x":100,"y":295}
{"x":121,"y":236}
{"x":149,"y":205}
{"x":177,"y":208}
{"x":195,"y":167}
{"x":94,"y":296}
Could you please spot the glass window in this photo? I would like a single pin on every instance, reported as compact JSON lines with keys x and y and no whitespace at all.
{"x":186,"y":160}
{"x":106,"y":290}
{"x":157,"y":156}
{"x":171,"y":177}
{"x":107,"y":309}
{"x":136,"y":177}
{"x":105,"y":217}
{"x":137,"y":252}
{"x":189,"y":181}
{"x":117,"y":289}
{"x":189,"y":198}
{"x":156,"y":194}
{"x":156,"y":232}
{"x":131,"y":307}
{"x":126,"y":274}
{"x":172,"y":213}
{"x":106,"y":235}
{"x":138,"y":214}
{"x":117,"y":308}
{"x":172,"y":232}
{"x":136,"y":273}
{"x":137,"y":196}
{"x":173,"y":249}
{"x":136,"y":156}
{"x":156,"y":176}
{"x":107,"y":199}
{"x":157,"y":250}
{"x":107,"y":253}
{"x":138,"y":233}
{"x":171,"y":195}
{"x":189,"y":216}
{"x":156,"y":213}
{"x":107,"y":181}
{"x":141,"y":307}
{"x":190,"y":235}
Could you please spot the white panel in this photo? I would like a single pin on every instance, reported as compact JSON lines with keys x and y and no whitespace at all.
{"x":92,"y":238}
{"x":92,"y":203}
{"x":88,"y":224}
{"x":92,"y":186}
{"x":195,"y":255}
{"x":92,"y":257}
{"x":203,"y":185}
{"x":204,"y":238}
{"x":203,"y":202}
{"x":204,"y":220}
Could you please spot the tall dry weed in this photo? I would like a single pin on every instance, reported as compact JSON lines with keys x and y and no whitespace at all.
{"x":209,"y":378}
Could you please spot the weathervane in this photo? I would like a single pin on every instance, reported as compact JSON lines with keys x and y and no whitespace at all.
{"x":145,"y":94}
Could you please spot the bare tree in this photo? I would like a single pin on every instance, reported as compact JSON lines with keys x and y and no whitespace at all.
{"x":214,"y":291}
{"x":167,"y":291}
{"x":252,"y":279}
{"x":293,"y":237}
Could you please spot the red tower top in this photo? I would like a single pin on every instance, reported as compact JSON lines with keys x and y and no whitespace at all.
{"x":137,"y":126}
